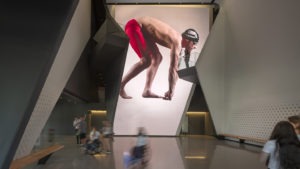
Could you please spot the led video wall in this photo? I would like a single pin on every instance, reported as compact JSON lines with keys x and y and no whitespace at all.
{"x":144,"y":100}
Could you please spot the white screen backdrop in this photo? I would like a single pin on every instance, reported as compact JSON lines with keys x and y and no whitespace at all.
{"x":160,"y":117}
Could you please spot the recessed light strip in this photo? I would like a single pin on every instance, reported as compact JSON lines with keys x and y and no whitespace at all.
{"x":195,"y":157}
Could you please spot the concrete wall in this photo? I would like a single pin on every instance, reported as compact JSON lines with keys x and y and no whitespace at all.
{"x":75,"y":39}
{"x":210,"y":69}
{"x":62,"y":116}
{"x":249,"y":68}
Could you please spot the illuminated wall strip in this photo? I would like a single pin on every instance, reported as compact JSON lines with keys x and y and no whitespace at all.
{"x":195,"y":157}
{"x":196,"y":113}
{"x":98,"y":112}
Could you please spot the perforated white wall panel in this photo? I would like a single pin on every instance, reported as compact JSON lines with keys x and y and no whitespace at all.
{"x":70,"y":50}
{"x":258,"y":121}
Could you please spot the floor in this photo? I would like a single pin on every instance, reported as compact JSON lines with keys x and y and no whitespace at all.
{"x":186,"y":152}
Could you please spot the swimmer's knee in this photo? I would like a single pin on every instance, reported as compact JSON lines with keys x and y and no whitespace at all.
{"x":146,"y":62}
{"x":157,"y":58}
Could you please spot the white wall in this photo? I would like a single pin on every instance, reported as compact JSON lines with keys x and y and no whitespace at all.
{"x":70,"y":50}
{"x":261,"y":66}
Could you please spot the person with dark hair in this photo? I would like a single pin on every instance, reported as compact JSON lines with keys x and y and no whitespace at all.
{"x":282,"y":145}
{"x":295,"y":121}
{"x":289,"y":155}
{"x":144,"y":34}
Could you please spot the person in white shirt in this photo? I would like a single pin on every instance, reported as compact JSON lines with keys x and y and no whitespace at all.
{"x":83,"y":130}
{"x":94,"y":134}
{"x":282,"y":137}
{"x":76,"y":124}
{"x":94,"y":141}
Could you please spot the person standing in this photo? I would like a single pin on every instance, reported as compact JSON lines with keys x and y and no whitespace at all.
{"x":107,"y":136}
{"x":82,"y":129}
{"x":76,"y":128}
{"x":144,"y":34}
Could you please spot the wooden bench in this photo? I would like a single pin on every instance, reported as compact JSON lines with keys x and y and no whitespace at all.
{"x":40,"y":155}
{"x":242,"y":139}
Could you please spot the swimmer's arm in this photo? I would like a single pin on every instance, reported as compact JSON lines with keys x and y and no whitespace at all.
{"x":173,"y":76}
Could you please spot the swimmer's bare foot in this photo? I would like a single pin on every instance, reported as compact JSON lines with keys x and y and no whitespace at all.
{"x":149,"y":94}
{"x":124,"y":95}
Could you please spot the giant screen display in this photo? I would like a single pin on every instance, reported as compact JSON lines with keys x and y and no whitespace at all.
{"x":161,"y":37}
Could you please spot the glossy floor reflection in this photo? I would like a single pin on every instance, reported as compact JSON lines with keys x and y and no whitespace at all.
{"x":186,"y":152}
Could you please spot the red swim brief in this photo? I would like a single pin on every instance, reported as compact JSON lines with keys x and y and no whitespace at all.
{"x":136,"y":37}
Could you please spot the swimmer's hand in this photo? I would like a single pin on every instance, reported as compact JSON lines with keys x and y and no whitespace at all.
{"x":168,"y":95}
